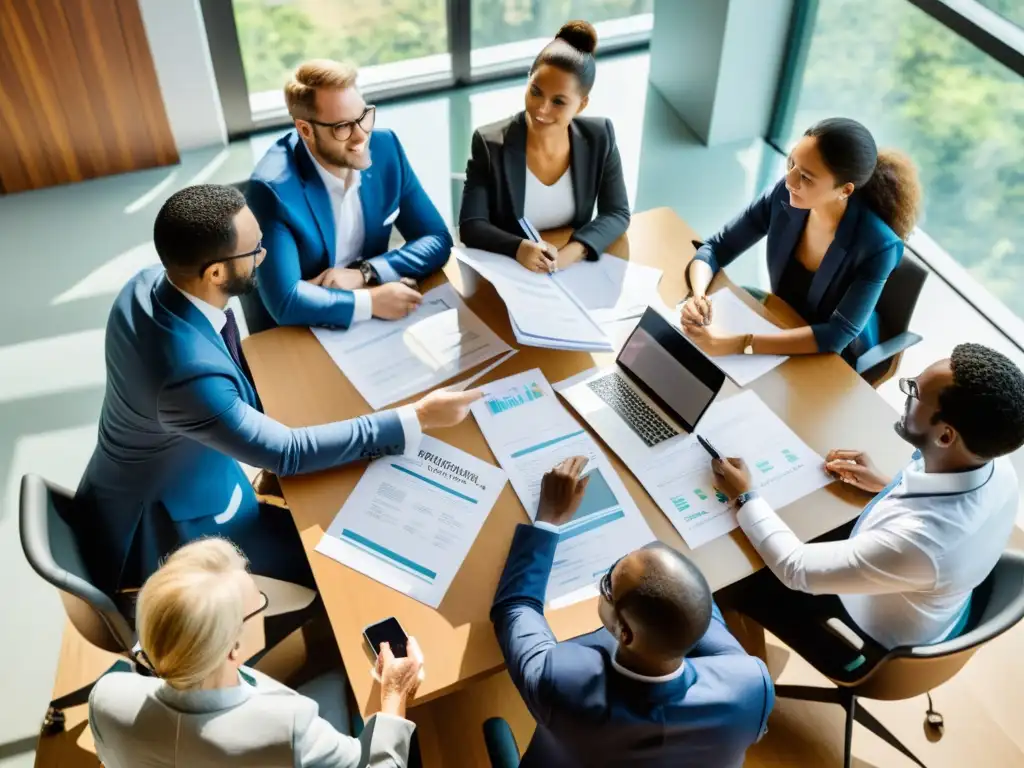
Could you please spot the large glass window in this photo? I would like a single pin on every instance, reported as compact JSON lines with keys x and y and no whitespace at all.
{"x":1009,"y":9}
{"x":510,"y":30}
{"x":958,"y":113}
{"x":390,"y":40}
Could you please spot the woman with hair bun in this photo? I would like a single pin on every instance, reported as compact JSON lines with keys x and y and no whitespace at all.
{"x":547,"y":167}
{"x":835,"y":225}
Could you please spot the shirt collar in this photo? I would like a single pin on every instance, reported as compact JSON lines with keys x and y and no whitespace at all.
{"x":917,"y":482}
{"x":335,"y":185}
{"x":646,"y":678}
{"x":218,"y":319}
{"x":205,"y":700}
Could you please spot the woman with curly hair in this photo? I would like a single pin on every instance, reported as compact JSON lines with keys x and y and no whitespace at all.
{"x":835,"y":225}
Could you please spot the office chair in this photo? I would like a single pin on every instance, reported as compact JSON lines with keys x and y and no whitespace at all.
{"x":905,"y":672}
{"x":895,"y":308}
{"x":54,"y":551}
{"x":501,"y":744}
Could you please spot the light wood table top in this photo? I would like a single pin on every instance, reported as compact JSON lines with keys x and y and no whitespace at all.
{"x":819,"y":397}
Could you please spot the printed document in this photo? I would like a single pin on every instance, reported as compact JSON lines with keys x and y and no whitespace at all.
{"x":409,"y":523}
{"x":389,"y":360}
{"x":677,"y":473}
{"x":530,"y":431}
{"x":611,"y":288}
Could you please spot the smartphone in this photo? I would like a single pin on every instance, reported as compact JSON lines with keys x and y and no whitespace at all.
{"x":387,"y":631}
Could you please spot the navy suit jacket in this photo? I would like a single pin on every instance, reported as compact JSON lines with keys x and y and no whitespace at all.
{"x":846,"y":287}
{"x":589,"y":714}
{"x":294,"y":209}
{"x":178,"y":415}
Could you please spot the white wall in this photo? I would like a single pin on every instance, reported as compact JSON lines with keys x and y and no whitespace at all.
{"x":177,"y":39}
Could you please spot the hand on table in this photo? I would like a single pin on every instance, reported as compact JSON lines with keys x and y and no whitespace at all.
{"x":393,"y":301}
{"x":855,"y":468}
{"x":571,"y":253}
{"x":399,"y":677}
{"x":340,"y":278}
{"x":696,"y":311}
{"x":442,"y":408}
{"x":561,"y":491}
{"x":537,"y":257}
{"x":733,"y":476}
{"x":711,"y":341}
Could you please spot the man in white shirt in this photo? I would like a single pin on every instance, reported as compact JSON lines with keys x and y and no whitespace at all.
{"x":932,"y":534}
{"x":326,"y":196}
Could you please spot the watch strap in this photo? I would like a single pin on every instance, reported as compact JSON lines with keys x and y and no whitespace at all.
{"x":746,"y":496}
{"x":370,"y":276}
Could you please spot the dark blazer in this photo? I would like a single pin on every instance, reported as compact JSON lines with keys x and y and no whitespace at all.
{"x":294,"y":209}
{"x":178,"y":415}
{"x":589,"y":714}
{"x":493,"y":197}
{"x":849,"y":281}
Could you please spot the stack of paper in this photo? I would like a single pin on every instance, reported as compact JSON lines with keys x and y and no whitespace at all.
{"x":566,"y":310}
{"x":529,"y":431}
{"x":409,"y":523}
{"x":389,"y":360}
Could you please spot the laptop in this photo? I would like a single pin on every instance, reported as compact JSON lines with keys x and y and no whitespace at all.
{"x":660,"y":386}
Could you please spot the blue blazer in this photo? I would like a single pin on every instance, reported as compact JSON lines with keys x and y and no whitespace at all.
{"x":294,"y":209}
{"x":846,"y":287}
{"x":588,"y":714}
{"x":178,"y":415}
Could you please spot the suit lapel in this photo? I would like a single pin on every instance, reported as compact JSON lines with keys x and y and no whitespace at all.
{"x":794,"y":227}
{"x":370,"y":201}
{"x":317,"y":197}
{"x":581,"y":168}
{"x":514,"y":160}
{"x":835,"y":256}
{"x":176,"y":303}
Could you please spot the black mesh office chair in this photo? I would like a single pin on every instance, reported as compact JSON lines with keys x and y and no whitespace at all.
{"x":895,"y":308}
{"x":257,"y":316}
{"x":54,"y":551}
{"x":905,"y":672}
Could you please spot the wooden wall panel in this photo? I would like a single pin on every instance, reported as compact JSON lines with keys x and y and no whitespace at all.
{"x":79,"y":96}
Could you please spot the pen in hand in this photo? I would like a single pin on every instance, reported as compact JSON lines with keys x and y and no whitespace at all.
{"x":713,"y":452}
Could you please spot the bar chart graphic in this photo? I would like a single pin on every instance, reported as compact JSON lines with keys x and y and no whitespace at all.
{"x":513,"y":397}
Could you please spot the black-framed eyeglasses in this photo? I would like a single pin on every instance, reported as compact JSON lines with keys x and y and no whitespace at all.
{"x":343,"y":131}
{"x":605,"y":585}
{"x":254,"y":252}
{"x":909,"y":388}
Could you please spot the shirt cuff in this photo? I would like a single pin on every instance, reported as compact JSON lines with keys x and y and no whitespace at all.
{"x":385,"y":271}
{"x":411,"y":429}
{"x":540,"y":524}
{"x":363,"y":309}
{"x":759,"y":522}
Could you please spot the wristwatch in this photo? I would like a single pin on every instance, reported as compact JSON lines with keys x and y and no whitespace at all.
{"x":748,"y":344}
{"x":744,"y":497}
{"x":370,"y":276}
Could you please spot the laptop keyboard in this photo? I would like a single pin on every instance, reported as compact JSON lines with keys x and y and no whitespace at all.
{"x":640,"y":417}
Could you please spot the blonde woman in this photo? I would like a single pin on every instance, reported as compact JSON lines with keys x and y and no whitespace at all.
{"x":198,"y":617}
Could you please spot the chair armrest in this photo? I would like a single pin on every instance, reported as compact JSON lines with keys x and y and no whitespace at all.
{"x":501,"y":744}
{"x":886,"y":350}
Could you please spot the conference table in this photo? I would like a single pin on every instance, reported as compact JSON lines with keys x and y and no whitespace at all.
{"x":819,"y":396}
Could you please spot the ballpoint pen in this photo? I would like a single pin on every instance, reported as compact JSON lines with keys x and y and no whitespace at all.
{"x":712,"y":451}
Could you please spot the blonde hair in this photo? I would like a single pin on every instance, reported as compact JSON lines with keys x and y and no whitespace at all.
{"x":300,"y":91}
{"x":190,"y":611}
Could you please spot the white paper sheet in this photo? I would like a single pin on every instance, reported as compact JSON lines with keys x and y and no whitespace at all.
{"x":409,"y":523}
{"x":389,"y":360}
{"x":530,"y":431}
{"x":677,"y":473}
{"x":731,"y":316}
{"x":543,"y":314}
{"x":611,"y":288}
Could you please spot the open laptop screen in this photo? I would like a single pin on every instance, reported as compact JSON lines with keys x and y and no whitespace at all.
{"x":670,"y":369}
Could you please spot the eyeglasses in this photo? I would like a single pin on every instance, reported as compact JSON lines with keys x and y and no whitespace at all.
{"x":909,"y":388}
{"x":142,"y":660}
{"x":343,"y":131}
{"x":605,"y":585}
{"x":207,"y":265}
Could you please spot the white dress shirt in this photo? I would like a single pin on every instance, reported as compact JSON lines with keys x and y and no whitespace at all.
{"x":349,"y":229}
{"x":549,"y":207}
{"x":906,"y":573}
{"x":411,"y":428}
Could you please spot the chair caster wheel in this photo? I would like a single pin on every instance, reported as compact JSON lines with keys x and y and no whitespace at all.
{"x":53,"y":723}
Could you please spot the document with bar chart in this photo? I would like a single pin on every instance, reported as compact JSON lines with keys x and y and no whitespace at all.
{"x":409,"y":523}
{"x":677,"y":473}
{"x":530,"y":431}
